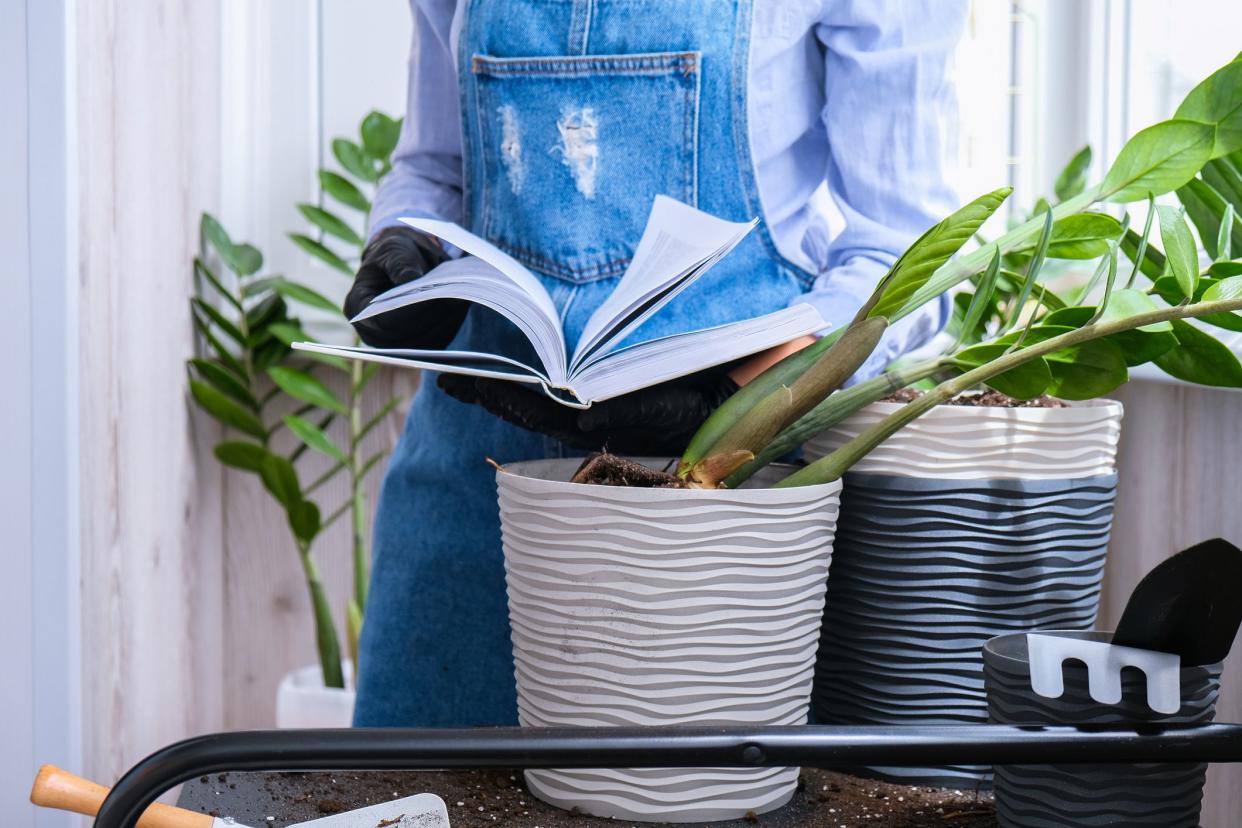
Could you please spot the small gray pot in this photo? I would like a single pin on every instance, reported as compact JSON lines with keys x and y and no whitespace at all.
{"x":1067,"y":796}
{"x":926,"y":571}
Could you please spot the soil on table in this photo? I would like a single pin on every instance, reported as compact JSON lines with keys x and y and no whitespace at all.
{"x":500,"y":799}
{"x":986,"y":399}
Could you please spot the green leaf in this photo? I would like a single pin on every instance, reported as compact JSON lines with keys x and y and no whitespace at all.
{"x":322,"y":253}
{"x":225,"y":381}
{"x":246,"y":259}
{"x":239,"y":455}
{"x":313,"y":436}
{"x":982,"y":299}
{"x":288,"y":332}
{"x":242,"y":259}
{"x":1218,"y":100}
{"x":1228,"y":288}
{"x":1179,"y":248}
{"x":1130,"y":302}
{"x":1170,"y":291}
{"x":1153,"y":260}
{"x":343,"y":190}
{"x":212,"y":233}
{"x":303,"y":386}
{"x":269,"y":309}
{"x":1022,"y":382}
{"x":354,"y":160}
{"x":1032,"y":273}
{"x":226,"y":410}
{"x":1109,"y":283}
{"x":1224,"y":270}
{"x":303,"y":294}
{"x":1087,"y":370}
{"x":380,"y":134}
{"x":270,"y":353}
{"x":1078,"y":236}
{"x":1071,"y":180}
{"x":303,"y":520}
{"x":1223,"y":177}
{"x":280,"y":478}
{"x":1224,"y":239}
{"x":1084,"y":371}
{"x":929,"y":252}
{"x":201,"y":268}
{"x":221,"y":322}
{"x":223,"y":354}
{"x":255,"y":287}
{"x":1158,"y":159}
{"x":1200,"y":358}
{"x":1083,"y":236}
{"x":330,"y":223}
{"x":1137,"y":347}
{"x":1205,"y":207}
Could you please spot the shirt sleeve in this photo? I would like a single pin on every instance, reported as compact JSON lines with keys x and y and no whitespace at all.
{"x":890,"y":117}
{"x":426,"y":176}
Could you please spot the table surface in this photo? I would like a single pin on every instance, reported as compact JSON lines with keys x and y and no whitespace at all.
{"x":500,"y":799}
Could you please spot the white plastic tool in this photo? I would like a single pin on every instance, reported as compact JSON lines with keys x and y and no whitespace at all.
{"x":1104,"y":665}
{"x":55,"y":788}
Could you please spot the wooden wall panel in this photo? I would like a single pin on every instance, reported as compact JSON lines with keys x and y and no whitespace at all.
{"x":1181,"y":475}
{"x":148,"y":83}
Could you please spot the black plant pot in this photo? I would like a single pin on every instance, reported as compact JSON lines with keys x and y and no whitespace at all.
{"x":926,"y":571}
{"x":1068,"y":796}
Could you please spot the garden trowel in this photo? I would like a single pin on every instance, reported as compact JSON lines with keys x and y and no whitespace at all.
{"x":1189,"y":605}
{"x":55,"y":788}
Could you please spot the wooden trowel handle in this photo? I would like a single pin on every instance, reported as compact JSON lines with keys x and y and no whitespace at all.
{"x":59,"y":789}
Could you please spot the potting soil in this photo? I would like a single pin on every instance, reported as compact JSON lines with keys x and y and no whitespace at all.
{"x":499,"y":799}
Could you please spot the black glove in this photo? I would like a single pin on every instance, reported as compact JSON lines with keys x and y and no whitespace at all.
{"x":395,"y":256}
{"x":659,"y":420}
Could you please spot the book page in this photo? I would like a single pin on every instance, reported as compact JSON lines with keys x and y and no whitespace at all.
{"x":470,"y":363}
{"x":481,"y":248}
{"x":659,"y":360}
{"x":678,"y":245}
{"x":477,"y":281}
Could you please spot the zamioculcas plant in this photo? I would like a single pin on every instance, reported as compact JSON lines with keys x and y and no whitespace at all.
{"x":277,"y":404}
{"x":1074,"y":352}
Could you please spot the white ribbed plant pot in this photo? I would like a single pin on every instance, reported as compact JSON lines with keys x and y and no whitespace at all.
{"x":663,"y":607}
{"x":303,"y":701}
{"x":980,"y":443}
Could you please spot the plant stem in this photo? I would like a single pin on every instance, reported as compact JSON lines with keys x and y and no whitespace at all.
{"x":835,"y":408}
{"x":838,"y":462}
{"x":357,"y":494}
{"x":325,"y":630}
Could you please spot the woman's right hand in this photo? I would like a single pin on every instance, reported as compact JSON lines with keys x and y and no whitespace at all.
{"x":395,"y":256}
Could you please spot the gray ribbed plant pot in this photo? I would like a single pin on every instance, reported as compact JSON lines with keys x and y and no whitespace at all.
{"x":928,"y":570}
{"x":1050,"y":796}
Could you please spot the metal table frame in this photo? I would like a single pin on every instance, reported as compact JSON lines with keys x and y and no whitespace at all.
{"x":833,"y":746}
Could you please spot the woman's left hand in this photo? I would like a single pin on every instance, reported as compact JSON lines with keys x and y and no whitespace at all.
{"x":659,"y":420}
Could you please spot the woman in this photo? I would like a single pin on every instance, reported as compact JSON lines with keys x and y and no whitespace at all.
{"x":548,"y":127}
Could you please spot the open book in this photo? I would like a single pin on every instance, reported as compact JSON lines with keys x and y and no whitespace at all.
{"x":678,"y":246}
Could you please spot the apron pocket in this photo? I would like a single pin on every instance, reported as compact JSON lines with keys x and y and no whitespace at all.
{"x":574,"y":150}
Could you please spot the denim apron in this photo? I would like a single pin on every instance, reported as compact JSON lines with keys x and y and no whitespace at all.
{"x":575,"y":115}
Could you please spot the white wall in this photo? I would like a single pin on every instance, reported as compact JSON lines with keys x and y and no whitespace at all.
{"x":39,"y":688}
